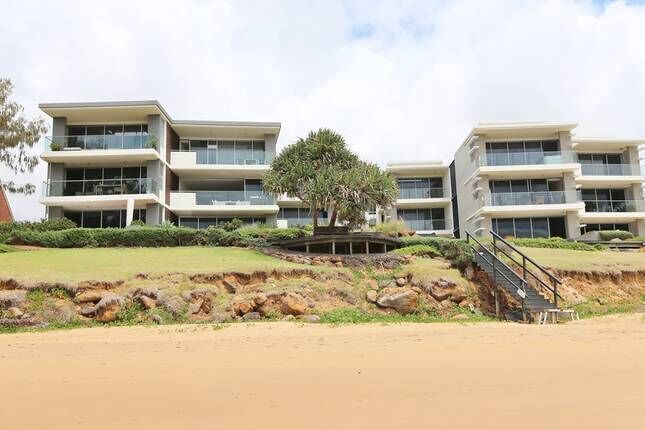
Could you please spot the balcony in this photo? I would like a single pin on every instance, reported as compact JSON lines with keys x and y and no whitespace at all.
{"x":589,"y":169}
{"x":230,"y":157}
{"x":425,"y":224}
{"x":531,"y":198}
{"x":527,"y":158}
{"x":208,"y":163}
{"x":100,"y":142}
{"x":421,"y":193}
{"x":229,"y":203}
{"x":99,"y":187}
{"x":232,"y":198}
{"x":614,"y":206}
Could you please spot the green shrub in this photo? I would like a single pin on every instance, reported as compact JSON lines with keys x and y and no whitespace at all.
{"x":555,"y":243}
{"x":270,"y":234}
{"x":6,"y":228}
{"x":233,"y":224}
{"x":420,"y":250}
{"x":615,"y":234}
{"x":391,"y":227}
{"x":455,"y":250}
{"x":137,"y":223}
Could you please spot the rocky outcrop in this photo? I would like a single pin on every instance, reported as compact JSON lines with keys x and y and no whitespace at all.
{"x":403,"y":300}
{"x":108,"y":307}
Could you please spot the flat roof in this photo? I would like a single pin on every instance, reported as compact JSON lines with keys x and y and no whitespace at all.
{"x":512,"y":130}
{"x":606,"y":143}
{"x":138,"y":110}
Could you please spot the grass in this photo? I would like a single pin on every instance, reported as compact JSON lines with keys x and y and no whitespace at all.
{"x":600,"y":261}
{"x":594,"y":309}
{"x":357,"y":316}
{"x":111,"y":264}
{"x":430,"y":268}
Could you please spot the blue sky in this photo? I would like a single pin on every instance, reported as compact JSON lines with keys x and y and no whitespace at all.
{"x":400,"y":79}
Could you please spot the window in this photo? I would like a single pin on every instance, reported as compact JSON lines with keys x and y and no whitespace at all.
{"x":522,"y":152}
{"x":530,"y":227}
{"x":422,"y":219}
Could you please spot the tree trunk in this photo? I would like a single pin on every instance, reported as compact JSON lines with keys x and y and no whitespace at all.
{"x":314,"y":217}
{"x":334,"y":215}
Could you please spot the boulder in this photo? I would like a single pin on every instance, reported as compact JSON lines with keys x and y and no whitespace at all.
{"x":59,"y":311}
{"x":90,"y":296}
{"x":149,"y":292}
{"x":219,"y":317}
{"x":108,"y":307}
{"x":87,"y":311}
{"x":15,"y":312}
{"x":156,"y":319}
{"x":259,"y":299}
{"x":147,"y":302}
{"x":12,"y":298}
{"x":402,"y":300}
{"x":252,"y":316}
{"x":401,"y":282}
{"x":173,"y":304}
{"x":293,"y":304}
{"x":457,"y":297}
{"x":242,"y":305}
{"x":229,"y":287}
{"x":371,"y":296}
{"x":372,"y":284}
{"x":195,"y":307}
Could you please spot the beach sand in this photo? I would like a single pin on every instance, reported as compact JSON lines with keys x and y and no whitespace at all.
{"x":588,"y":374}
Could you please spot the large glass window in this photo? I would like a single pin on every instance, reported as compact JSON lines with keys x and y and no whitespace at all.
{"x":523,"y":152}
{"x":420,"y":188}
{"x":422,"y":219}
{"x":226,"y":151}
{"x":530,"y":227}
{"x":606,"y":200}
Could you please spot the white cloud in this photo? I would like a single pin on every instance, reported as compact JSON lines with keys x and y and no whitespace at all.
{"x":401,"y":80}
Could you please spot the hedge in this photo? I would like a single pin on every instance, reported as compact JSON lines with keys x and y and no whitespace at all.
{"x":419,"y":250}
{"x":455,"y":250}
{"x":555,"y":243}
{"x":151,"y":237}
{"x":615,"y":234}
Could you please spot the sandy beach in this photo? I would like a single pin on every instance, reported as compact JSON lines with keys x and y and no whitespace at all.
{"x":588,"y":374}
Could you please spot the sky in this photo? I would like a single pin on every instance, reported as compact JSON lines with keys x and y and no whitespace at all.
{"x":401,"y":80}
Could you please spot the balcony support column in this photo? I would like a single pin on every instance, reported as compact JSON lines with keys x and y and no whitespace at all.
{"x":640,"y":227}
{"x":573,"y":225}
{"x":129,"y":212}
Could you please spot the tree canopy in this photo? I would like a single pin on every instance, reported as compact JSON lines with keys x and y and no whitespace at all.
{"x":322,"y":172}
{"x":17,"y":136}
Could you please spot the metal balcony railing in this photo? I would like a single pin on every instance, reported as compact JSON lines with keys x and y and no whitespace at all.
{"x":100,"y":142}
{"x":614,"y":206}
{"x":236,"y":157}
{"x":421,"y":193}
{"x":532,"y":198}
{"x":527,"y":158}
{"x":612,"y":169}
{"x":425,"y":224}
{"x":232,"y":198}
{"x":99,"y":187}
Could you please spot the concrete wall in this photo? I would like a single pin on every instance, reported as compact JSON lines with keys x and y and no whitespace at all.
{"x":270,"y":141}
{"x":59,"y":126}
{"x":154,"y":214}
{"x":465,"y":166}
{"x":54,"y":212}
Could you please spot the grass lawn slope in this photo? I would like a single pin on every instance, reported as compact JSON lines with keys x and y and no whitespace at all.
{"x":111,"y":264}
{"x":587,"y":261}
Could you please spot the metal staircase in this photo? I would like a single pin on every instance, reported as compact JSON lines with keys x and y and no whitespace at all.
{"x":497,"y":259}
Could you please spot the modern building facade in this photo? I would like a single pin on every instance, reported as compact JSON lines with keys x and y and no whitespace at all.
{"x":539,"y":180}
{"x":112,"y":163}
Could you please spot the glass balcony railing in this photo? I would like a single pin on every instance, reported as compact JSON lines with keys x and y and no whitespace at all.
{"x":527,"y":158}
{"x":532,"y":198}
{"x":232,"y":198}
{"x":218,"y":156}
{"x":425,"y":224}
{"x":99,"y":187}
{"x":101,"y":142}
{"x":612,"y":169}
{"x":301,"y":222}
{"x":614,"y":206}
{"x":421,"y":193}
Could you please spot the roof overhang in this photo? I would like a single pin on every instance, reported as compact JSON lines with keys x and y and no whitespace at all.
{"x":417,"y":168}
{"x":225,"y":129}
{"x":519,"y":130}
{"x":105,"y":112}
{"x":582,"y":144}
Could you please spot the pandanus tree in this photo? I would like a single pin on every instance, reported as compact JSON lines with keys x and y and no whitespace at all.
{"x":322,"y":172}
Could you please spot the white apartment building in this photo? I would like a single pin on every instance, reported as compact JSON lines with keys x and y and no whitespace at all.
{"x":539,"y":180}
{"x":110,"y":163}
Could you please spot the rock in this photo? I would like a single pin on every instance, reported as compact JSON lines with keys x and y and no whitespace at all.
{"x":88,"y":311}
{"x":242,"y":305}
{"x":311,"y":318}
{"x":457,"y":297}
{"x":219,"y":317}
{"x":293,"y":304}
{"x":12,"y":298}
{"x":288,"y":318}
{"x":469,"y":273}
{"x":345,"y":294}
{"x":259,"y":299}
{"x":386,"y":284}
{"x":338,"y":264}
{"x":108,"y":307}
{"x":195,"y":307}
{"x":371,"y":296}
{"x":15,"y":312}
{"x":147,"y":302}
{"x":417,"y":290}
{"x":252,"y":316}
{"x":372,"y":284}
{"x":173,"y":304}
{"x":60,"y":311}
{"x":460,"y":317}
{"x":404,"y":301}
{"x":149,"y":292}
{"x":401,"y":282}
{"x":93,"y":296}
{"x":446,"y":304}
{"x":229,"y":287}
{"x":156,"y":319}
{"x":471,"y":307}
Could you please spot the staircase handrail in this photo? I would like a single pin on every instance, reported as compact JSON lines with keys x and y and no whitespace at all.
{"x":523,"y":282}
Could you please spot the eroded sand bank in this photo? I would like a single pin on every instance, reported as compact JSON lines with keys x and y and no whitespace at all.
{"x":588,"y":374}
